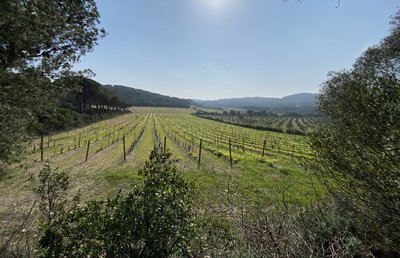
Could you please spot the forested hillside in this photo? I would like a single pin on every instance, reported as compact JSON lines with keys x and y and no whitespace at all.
{"x":136,"y":97}
{"x":91,"y":95}
{"x":304,"y":103}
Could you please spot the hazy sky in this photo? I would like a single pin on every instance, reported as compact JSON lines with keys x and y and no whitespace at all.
{"x":209,"y":49}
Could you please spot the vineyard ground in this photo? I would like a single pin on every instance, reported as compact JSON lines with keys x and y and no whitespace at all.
{"x":105,"y":172}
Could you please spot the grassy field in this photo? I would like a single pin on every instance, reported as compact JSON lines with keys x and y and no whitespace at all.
{"x":258,"y":178}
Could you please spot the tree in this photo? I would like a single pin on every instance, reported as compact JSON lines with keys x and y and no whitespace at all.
{"x":154,"y":220}
{"x":358,"y":151}
{"x":50,"y":35}
{"x":22,"y":95}
{"x":39,"y":41}
{"x":89,"y":93}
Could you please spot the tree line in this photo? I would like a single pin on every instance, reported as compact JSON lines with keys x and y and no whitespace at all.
{"x":137,"y":97}
{"x":90,"y":96}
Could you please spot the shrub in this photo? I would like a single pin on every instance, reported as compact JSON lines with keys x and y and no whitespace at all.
{"x":51,"y":191}
{"x":153,"y":220}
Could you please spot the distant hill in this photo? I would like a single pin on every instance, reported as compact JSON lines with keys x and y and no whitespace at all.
{"x":137,"y":97}
{"x":300,"y":103}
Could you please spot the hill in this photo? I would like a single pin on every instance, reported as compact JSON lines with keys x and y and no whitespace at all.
{"x":137,"y":97}
{"x":300,"y":103}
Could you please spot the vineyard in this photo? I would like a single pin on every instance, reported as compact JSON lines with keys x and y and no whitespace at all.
{"x":104,"y":158}
{"x":176,"y":126}
{"x":293,"y":124}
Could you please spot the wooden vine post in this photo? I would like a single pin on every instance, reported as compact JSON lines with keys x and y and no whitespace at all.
{"x":230,"y":153}
{"x":165,"y":144}
{"x":263,"y":151}
{"x":201,"y":143}
{"x":87,"y":151}
{"x":41,"y":147}
{"x":123,"y":143}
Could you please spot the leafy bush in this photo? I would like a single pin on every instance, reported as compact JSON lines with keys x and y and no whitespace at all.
{"x":51,"y":191}
{"x":358,"y":150}
{"x":330,"y":229}
{"x":154,"y":220}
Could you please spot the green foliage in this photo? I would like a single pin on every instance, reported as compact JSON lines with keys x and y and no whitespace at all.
{"x":136,"y":97}
{"x":358,"y":150}
{"x":51,"y":191}
{"x":89,"y":93}
{"x":55,"y":119}
{"x":330,"y":229}
{"x":40,"y":40}
{"x":11,"y":139}
{"x":21,"y":95}
{"x":49,"y":35}
{"x":155,"y":220}
{"x":167,"y":201}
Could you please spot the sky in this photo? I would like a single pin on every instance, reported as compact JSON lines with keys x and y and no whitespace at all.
{"x":212,"y":49}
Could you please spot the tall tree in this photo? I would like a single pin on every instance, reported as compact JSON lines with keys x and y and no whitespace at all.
{"x":39,"y":40}
{"x":359,"y":149}
{"x":47,"y":34}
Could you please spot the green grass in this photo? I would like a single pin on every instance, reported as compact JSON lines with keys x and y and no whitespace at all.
{"x":275,"y":179}
{"x":121,"y":176}
{"x":259,"y":180}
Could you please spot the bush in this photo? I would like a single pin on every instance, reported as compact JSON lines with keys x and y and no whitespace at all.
{"x":154,"y":220}
{"x":358,"y":152}
{"x":51,"y":191}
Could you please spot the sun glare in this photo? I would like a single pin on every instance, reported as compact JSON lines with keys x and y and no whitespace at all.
{"x":216,"y":5}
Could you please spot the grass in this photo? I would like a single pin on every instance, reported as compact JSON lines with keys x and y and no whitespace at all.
{"x":259,"y":180}
{"x":121,"y":176}
{"x":276,"y":178}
